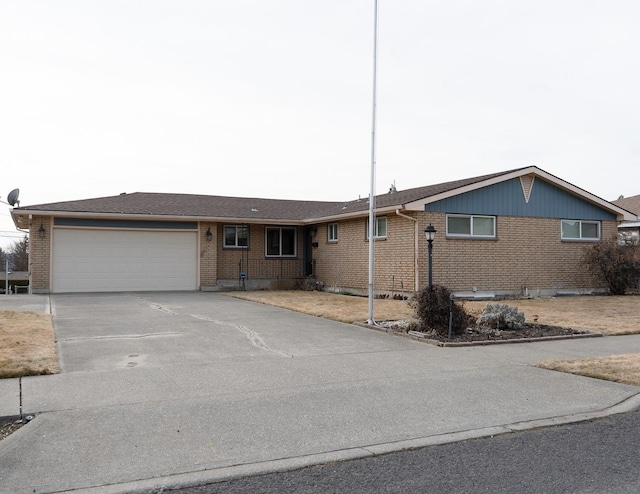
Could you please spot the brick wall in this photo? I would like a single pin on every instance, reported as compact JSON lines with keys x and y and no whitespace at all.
{"x":345,"y":263}
{"x":527,"y":253}
{"x":40,"y":255}
{"x":253,"y":260}
{"x":208,"y":254}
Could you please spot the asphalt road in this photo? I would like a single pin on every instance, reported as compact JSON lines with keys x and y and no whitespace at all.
{"x":600,"y":456}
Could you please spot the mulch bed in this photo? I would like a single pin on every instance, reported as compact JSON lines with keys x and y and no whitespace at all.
{"x":486,"y":336}
{"x":7,"y":429}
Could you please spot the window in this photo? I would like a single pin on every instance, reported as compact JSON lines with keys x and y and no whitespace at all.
{"x":380,"y":227}
{"x":236,"y":236}
{"x":281,"y":242}
{"x":460,"y":225}
{"x":580,"y":230}
{"x":332,"y":232}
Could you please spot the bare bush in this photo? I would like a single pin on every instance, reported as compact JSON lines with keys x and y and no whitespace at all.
{"x":615,"y":263}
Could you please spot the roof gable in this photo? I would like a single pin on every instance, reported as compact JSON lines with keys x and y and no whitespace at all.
{"x":527,"y":178}
{"x":533,"y":197}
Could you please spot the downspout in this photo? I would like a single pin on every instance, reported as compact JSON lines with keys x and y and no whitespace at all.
{"x":415,"y":249}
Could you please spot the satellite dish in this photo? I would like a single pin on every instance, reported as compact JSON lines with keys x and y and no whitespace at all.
{"x":12,"y":198}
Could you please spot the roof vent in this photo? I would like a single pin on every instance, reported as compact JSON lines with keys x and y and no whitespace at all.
{"x":526,"y":181}
{"x":254,"y":209}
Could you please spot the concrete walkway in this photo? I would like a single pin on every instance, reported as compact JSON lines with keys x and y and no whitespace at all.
{"x":161,"y":390}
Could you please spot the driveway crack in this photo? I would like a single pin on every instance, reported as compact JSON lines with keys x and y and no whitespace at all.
{"x":254,"y":338}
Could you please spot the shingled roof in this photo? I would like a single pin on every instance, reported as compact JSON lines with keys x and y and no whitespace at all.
{"x":187,"y":205}
{"x":629,"y":203}
{"x":256,"y":209}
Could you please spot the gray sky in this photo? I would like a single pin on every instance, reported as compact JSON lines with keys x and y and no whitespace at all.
{"x":273,"y":98}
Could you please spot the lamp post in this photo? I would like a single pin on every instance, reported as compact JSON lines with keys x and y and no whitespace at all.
{"x":430,"y":233}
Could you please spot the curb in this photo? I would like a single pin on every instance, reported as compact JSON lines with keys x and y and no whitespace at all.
{"x":224,"y":474}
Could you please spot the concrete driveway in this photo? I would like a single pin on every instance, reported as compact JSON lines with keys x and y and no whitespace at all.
{"x":165,"y":389}
{"x":191,"y":329}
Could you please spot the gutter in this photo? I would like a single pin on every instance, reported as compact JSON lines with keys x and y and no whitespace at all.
{"x":416,"y":275}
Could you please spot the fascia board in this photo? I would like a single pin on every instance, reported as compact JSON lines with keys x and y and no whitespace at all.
{"x":159,"y":217}
{"x":350,"y":215}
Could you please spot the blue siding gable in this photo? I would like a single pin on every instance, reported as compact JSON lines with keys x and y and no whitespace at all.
{"x":507,"y":199}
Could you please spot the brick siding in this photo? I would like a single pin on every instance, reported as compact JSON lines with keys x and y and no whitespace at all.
{"x":40,"y":255}
{"x":527,"y":254}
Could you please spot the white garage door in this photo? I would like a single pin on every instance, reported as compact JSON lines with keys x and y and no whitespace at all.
{"x":118,"y":260}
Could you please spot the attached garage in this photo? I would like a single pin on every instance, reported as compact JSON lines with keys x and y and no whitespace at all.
{"x":103,"y":257}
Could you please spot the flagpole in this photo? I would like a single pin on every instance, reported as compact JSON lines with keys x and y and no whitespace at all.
{"x":372,"y":189}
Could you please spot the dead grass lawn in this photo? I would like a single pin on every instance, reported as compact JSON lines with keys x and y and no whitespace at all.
{"x":26,"y":344}
{"x":618,"y":368}
{"x":343,"y":308}
{"x":609,"y":315}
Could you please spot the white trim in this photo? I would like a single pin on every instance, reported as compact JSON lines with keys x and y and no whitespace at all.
{"x":330,"y":239}
{"x":581,"y":238}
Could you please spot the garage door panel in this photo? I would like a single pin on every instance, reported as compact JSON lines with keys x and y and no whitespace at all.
{"x":119,"y":260}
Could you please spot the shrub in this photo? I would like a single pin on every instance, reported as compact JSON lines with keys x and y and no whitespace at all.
{"x":501,"y":316}
{"x":615,"y":263}
{"x":432,"y":308}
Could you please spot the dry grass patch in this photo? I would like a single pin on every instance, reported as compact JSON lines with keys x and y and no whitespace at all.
{"x":609,"y":315}
{"x":27,"y":344}
{"x":618,"y":368}
{"x":343,"y":308}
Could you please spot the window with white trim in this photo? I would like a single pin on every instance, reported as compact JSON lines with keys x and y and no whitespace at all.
{"x":332,"y":232}
{"x":580,"y":230}
{"x":471,"y":226}
{"x":280,"y":241}
{"x":380,"y":228}
{"x":236,"y":236}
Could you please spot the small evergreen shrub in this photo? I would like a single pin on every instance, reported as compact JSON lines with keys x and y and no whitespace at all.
{"x":501,"y":316}
{"x":432,"y":309}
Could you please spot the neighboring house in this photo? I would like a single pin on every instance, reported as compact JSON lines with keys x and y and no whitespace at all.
{"x":516,"y":231}
{"x":631,"y":204}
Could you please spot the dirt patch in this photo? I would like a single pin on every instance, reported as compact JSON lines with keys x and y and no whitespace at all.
{"x":27,"y":344}
{"x":7,"y":429}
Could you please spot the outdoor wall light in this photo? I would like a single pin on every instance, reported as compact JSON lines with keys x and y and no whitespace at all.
{"x":41,"y":231}
{"x":430,"y":233}
{"x":209,"y":235}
